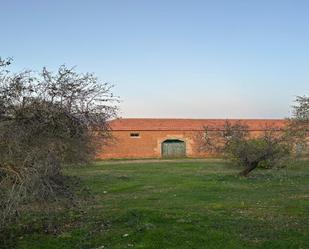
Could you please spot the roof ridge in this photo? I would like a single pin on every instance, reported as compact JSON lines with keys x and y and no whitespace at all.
{"x":188,"y":124}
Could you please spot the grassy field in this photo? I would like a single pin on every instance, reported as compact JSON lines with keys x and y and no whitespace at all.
{"x":165,"y":205}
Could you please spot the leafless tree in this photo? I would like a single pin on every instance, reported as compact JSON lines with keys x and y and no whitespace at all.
{"x":47,"y":121}
{"x":298,"y":127}
{"x":235,"y":142}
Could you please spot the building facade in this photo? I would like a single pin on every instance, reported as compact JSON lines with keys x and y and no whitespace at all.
{"x":166,"y":138}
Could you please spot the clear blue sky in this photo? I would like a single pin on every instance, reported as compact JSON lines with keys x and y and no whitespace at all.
{"x":198,"y":59}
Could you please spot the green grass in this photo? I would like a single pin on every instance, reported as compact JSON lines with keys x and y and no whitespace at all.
{"x":184,"y":205}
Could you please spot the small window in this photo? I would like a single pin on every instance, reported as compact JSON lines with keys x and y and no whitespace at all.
{"x":134,"y":134}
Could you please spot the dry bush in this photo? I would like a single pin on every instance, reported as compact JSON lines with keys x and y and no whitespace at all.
{"x":271,"y":149}
{"x":47,"y":121}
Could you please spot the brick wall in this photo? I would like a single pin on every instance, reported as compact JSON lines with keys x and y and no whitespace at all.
{"x":148,"y":144}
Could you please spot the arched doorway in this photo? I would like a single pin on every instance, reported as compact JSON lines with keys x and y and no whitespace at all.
{"x":173,"y":148}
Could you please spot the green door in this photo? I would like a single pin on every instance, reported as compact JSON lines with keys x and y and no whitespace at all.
{"x":173,"y":148}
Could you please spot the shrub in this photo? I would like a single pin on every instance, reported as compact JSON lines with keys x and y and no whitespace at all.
{"x":47,"y":121}
{"x":234,"y":141}
{"x":258,"y":152}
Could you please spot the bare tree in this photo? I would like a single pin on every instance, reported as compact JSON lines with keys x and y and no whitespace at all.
{"x":48,"y":120}
{"x":301,"y":109}
{"x":234,"y":141}
{"x":298,"y":128}
{"x":270,"y":149}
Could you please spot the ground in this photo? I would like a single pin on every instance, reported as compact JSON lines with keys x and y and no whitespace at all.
{"x":183,"y":204}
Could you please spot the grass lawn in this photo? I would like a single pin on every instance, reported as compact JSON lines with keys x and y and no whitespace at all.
{"x":190,"y":204}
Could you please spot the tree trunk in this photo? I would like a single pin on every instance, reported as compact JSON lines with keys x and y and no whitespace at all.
{"x":248,"y":169}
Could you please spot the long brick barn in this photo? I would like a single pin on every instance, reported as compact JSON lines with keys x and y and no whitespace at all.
{"x":163,"y":138}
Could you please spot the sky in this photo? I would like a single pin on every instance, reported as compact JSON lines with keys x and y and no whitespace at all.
{"x":171,"y":59}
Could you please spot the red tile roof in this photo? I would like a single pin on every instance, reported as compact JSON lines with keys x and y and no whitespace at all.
{"x":151,"y":124}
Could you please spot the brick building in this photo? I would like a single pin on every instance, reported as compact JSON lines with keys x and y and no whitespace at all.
{"x":160,"y":138}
